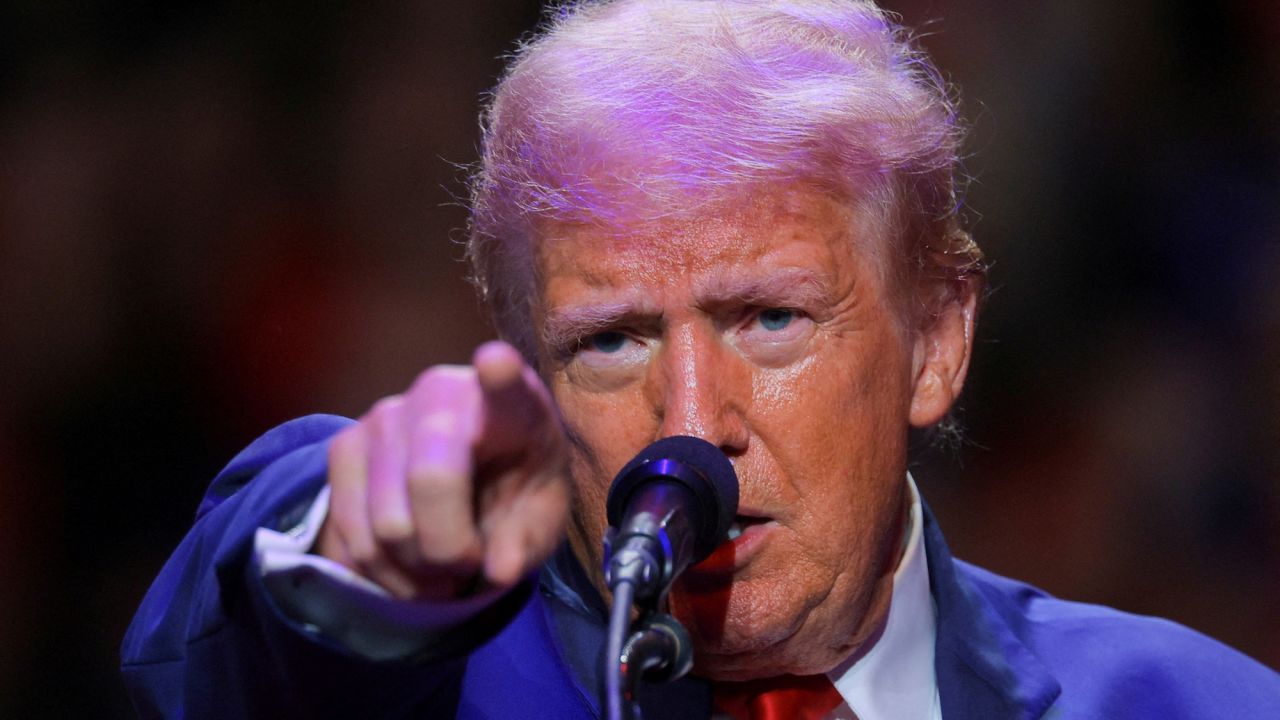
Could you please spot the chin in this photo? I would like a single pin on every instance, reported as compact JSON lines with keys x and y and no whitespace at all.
{"x":786,"y":659}
{"x":736,"y":638}
{"x":771,"y":626}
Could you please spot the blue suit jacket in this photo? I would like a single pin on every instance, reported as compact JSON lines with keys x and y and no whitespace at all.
{"x":208,"y":642}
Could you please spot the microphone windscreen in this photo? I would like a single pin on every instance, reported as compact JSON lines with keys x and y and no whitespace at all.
{"x":698,"y":465}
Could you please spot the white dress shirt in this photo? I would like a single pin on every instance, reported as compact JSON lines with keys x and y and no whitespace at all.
{"x":895,"y":679}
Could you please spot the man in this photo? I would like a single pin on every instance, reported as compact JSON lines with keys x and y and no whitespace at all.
{"x":731,"y":220}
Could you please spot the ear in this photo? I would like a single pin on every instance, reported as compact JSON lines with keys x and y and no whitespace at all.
{"x":941,"y":356}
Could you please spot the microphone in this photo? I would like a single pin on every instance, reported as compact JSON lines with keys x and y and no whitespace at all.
{"x":667,"y":509}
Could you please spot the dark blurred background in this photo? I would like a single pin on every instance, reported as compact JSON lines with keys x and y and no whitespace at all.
{"x":215,"y":216}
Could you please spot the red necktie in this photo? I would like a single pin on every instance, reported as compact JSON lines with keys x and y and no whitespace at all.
{"x":786,"y":697}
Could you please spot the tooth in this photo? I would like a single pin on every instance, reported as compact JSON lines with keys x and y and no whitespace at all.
{"x":734,"y":531}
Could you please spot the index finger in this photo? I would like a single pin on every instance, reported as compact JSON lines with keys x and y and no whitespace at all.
{"x":517,"y":408}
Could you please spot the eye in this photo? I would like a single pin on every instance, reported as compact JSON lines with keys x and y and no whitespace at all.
{"x":608,"y":342}
{"x":774,"y":336}
{"x":774,"y":319}
{"x":609,"y":350}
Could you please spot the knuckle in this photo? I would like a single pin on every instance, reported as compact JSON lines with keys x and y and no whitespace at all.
{"x":436,"y":421}
{"x":345,"y":442}
{"x":391,"y":530}
{"x":436,"y":377}
{"x":383,"y":411}
{"x":363,"y":554}
{"x":429,"y":480}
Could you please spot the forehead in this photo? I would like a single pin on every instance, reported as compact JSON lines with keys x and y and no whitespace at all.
{"x":767,"y":232}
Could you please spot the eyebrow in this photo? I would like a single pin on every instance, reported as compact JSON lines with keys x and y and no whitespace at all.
{"x":799,"y":287}
{"x":564,"y":327}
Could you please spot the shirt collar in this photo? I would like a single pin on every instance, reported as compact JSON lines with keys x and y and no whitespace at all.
{"x":896,"y":677}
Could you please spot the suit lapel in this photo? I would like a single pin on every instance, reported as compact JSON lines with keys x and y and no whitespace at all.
{"x":984,"y":671}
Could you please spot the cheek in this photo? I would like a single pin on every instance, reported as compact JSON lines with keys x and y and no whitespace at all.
{"x":835,"y":426}
{"x":811,"y":414}
{"x":607,"y":430}
{"x":588,"y":522}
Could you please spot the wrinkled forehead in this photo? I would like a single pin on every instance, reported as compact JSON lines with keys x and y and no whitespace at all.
{"x":713,"y":230}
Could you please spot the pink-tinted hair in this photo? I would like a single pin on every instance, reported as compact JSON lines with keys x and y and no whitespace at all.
{"x":634,"y":111}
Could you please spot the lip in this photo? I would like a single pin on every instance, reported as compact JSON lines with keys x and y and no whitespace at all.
{"x":733,"y":555}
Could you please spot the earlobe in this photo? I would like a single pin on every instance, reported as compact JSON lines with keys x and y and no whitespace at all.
{"x":942,"y":354}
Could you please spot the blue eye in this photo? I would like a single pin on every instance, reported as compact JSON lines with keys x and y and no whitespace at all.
{"x":776,"y":318}
{"x":605,"y":342}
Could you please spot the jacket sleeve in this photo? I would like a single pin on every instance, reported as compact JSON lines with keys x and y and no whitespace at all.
{"x":209,"y":642}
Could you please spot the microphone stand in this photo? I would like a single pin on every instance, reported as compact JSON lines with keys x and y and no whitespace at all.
{"x":657,"y":649}
{"x":621,"y":703}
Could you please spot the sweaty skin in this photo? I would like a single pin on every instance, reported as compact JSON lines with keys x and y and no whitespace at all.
{"x":771,"y":332}
{"x":768,"y":329}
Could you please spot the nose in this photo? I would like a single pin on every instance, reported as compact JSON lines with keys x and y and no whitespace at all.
{"x":700,"y":388}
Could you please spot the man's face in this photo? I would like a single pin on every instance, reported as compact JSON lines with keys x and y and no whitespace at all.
{"x":770,"y":332}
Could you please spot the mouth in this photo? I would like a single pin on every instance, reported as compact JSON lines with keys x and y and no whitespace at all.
{"x":744,"y":540}
{"x":743,"y":523}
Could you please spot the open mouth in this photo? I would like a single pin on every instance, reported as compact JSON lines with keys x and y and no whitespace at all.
{"x":741,"y":523}
{"x":744,"y":541}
